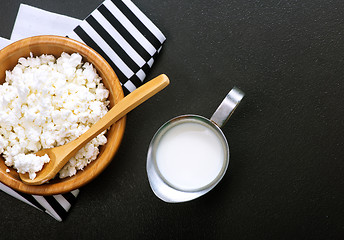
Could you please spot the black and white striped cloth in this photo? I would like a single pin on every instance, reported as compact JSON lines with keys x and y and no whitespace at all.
{"x":125,"y":37}
{"x":130,"y":42}
{"x":56,"y":206}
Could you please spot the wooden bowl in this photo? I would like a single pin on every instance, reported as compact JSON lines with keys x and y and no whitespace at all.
{"x":55,"y":45}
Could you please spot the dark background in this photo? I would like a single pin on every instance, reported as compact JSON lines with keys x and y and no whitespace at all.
{"x":286,"y":176}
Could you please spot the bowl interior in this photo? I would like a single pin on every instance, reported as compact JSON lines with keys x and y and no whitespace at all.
{"x":55,"y":45}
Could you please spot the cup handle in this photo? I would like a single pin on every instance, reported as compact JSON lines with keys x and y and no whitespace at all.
{"x":227,"y":107}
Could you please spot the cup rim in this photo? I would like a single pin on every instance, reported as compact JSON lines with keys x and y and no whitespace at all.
{"x":175,"y":121}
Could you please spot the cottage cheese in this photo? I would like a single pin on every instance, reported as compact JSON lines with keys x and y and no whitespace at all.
{"x":30,"y":163}
{"x":47,"y":102}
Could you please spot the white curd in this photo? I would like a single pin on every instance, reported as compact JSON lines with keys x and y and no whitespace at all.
{"x":47,"y":102}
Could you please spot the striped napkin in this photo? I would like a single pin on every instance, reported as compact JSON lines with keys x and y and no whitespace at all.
{"x":121,"y":33}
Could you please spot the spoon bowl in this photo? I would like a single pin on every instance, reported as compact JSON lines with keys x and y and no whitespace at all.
{"x":59,"y":156}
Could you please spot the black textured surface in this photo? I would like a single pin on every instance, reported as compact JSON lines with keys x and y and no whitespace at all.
{"x":285,"y":179}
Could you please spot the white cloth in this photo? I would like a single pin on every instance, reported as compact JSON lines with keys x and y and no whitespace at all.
{"x":4,"y":42}
{"x":32,"y":21}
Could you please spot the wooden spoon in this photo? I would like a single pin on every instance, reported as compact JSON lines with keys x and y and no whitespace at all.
{"x":59,"y":156}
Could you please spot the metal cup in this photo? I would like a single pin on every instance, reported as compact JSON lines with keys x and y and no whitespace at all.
{"x":169,"y":192}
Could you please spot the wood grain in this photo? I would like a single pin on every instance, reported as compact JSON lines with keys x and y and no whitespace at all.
{"x":55,"y":45}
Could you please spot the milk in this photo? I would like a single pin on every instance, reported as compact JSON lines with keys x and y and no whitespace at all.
{"x":190,"y":155}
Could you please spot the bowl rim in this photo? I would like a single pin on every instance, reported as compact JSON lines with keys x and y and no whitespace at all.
{"x":80,"y":179}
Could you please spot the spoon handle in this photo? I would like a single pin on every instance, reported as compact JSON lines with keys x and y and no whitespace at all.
{"x":119,"y":110}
